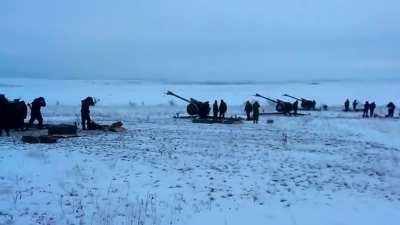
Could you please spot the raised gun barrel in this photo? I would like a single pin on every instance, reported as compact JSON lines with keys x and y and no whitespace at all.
{"x":293,"y":97}
{"x":195,"y":107}
{"x":281,"y":106}
{"x":305,"y":103}
{"x":269,"y":99}
{"x":175,"y":95}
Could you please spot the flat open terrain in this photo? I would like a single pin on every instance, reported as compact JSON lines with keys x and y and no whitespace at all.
{"x":325,"y":168}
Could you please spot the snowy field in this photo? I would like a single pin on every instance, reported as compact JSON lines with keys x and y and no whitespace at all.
{"x":328,"y":168}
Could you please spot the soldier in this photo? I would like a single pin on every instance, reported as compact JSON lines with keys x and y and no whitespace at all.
{"x":222,"y":109}
{"x":366,"y":109}
{"x":346,"y":105}
{"x":36,"y":114}
{"x":391,"y":107}
{"x":372,"y":107}
{"x":314,"y":104}
{"x":248,"y":108}
{"x":355,"y":103}
{"x":295,"y":107}
{"x":256,"y":112}
{"x":215,"y":109}
{"x":85,"y":112}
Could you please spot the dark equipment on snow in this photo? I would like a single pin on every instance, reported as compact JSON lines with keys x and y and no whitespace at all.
{"x":63,"y":130}
{"x":195,"y":107}
{"x":305,"y":103}
{"x":230,"y":120}
{"x":114,"y":127}
{"x":41,"y":139}
{"x":12,"y":114}
{"x":281,"y":106}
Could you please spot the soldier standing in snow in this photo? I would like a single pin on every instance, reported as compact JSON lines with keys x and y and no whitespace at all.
{"x":215,"y":109}
{"x":222,"y":109}
{"x":248,"y":108}
{"x":391,"y":107}
{"x":366,"y":109}
{"x":346,"y":105}
{"x":256,"y":112}
{"x":85,"y":111}
{"x":295,"y":107}
{"x":372,"y":107}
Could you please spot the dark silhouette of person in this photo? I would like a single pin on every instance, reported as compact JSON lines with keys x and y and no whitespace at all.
{"x":222,"y":109}
{"x":391,"y":107}
{"x":366,"y":109}
{"x":215,"y":109}
{"x":36,"y":113}
{"x":85,"y":111}
{"x":313,"y":105}
{"x":295,"y":107}
{"x":347,"y":105}
{"x":355,"y":103}
{"x":256,"y":112}
{"x":248,"y":108}
{"x":372,"y":107}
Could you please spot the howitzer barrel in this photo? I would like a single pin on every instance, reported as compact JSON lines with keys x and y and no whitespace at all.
{"x":305,"y":103}
{"x":184,"y":99}
{"x":272,"y":100}
{"x":281,"y":101}
{"x":293,"y":97}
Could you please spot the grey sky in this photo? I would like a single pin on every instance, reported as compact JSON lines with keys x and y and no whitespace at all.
{"x":200,"y":39}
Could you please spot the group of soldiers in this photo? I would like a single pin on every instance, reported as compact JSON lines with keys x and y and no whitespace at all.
{"x":369,"y":108}
{"x":221,"y":109}
{"x":13,"y":113}
{"x":252,"y":109}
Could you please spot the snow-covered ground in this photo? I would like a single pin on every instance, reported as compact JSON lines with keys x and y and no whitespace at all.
{"x":327,"y":168}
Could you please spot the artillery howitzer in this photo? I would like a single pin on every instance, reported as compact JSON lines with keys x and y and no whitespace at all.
{"x":12,"y":114}
{"x":194,"y":107}
{"x":281,"y":106}
{"x":305,"y":103}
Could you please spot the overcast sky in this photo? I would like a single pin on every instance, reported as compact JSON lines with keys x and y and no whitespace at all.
{"x":200,"y":39}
